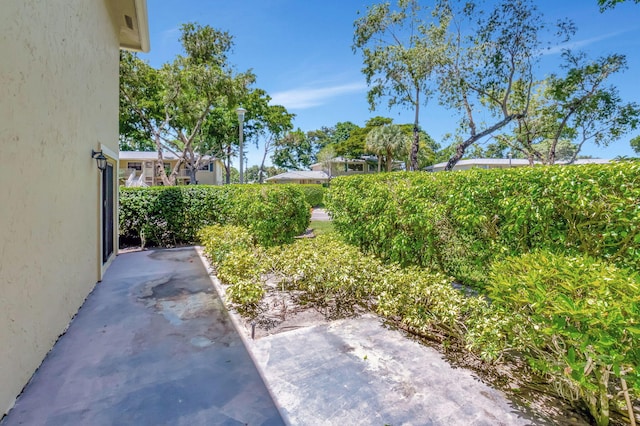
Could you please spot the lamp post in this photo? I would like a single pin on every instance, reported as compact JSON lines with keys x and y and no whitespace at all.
{"x":240,"y":111}
{"x":510,"y":155}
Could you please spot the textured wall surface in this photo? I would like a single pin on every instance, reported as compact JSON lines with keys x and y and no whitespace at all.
{"x":58,"y":100}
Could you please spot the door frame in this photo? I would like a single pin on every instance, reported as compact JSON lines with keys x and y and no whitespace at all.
{"x":112,"y":161}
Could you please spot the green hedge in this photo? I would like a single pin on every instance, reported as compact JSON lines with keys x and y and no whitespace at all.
{"x":461,"y":222}
{"x":167,"y":216}
{"x":576,"y":320}
{"x":314,"y":194}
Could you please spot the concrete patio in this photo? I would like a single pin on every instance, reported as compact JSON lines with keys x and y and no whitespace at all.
{"x":153,"y":345}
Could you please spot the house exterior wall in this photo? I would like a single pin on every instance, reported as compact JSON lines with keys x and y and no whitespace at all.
{"x":211,"y":177}
{"x":58,"y":101}
{"x":148,"y":171}
{"x":354,"y":167}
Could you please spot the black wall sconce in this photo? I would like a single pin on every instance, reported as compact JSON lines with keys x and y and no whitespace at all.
{"x":101,"y":160}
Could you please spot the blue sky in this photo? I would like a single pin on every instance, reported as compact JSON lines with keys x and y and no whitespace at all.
{"x":300,"y":51}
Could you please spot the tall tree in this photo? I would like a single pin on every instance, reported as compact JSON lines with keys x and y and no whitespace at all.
{"x":386,"y":142}
{"x":276,"y":122}
{"x":565,"y":112}
{"x":493,"y":50}
{"x":401,"y":50}
{"x":325,"y":157}
{"x":354,"y":145}
{"x":426,"y":153}
{"x":293,"y":151}
{"x":172,"y":103}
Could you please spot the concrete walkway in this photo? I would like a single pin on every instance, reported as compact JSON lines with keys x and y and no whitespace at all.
{"x":356,"y":372}
{"x":320,"y":214}
{"x":152,"y":345}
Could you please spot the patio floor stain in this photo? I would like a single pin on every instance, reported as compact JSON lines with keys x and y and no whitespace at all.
{"x":152,"y":344}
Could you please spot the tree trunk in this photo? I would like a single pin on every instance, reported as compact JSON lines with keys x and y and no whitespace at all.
{"x":191,"y":171}
{"x":261,"y":170}
{"x":416,"y":134}
{"x":160,"y":171}
{"x":460,"y":149}
{"x":228,"y":166}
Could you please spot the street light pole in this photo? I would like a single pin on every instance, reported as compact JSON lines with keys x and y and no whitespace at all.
{"x":240,"y":111}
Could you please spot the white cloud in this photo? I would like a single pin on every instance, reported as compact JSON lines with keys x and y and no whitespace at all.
{"x":579,"y":43}
{"x":303,"y":98}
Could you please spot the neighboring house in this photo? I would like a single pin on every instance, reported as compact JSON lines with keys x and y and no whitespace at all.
{"x":500,"y":163}
{"x":138,"y":168}
{"x":58,"y":216}
{"x":346,"y":166}
{"x":481,"y":163}
{"x":300,"y":177}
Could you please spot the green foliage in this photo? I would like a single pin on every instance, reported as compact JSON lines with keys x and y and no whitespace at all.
{"x":273,"y":214}
{"x":314,"y":194}
{"x":576,"y":319}
{"x":401,"y":54}
{"x":236,"y":259}
{"x":635,"y":144}
{"x":332,"y":275}
{"x":427,"y":305}
{"x":387,"y":142}
{"x":168,"y":216}
{"x":459,"y":223}
{"x":219,"y":241}
{"x":610,"y":4}
{"x":293,"y":151}
{"x":246,"y":294}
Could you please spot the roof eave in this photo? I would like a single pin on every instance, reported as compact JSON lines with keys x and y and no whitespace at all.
{"x":132,"y":22}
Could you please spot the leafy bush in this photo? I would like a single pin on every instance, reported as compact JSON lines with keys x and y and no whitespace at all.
{"x":246,"y":294}
{"x":167,"y":216}
{"x":236,"y":259}
{"x":314,"y":194}
{"x":427,"y":305}
{"x":273,"y":214}
{"x":461,"y":222}
{"x":576,"y":319}
{"x":332,"y":275}
{"x":219,"y":241}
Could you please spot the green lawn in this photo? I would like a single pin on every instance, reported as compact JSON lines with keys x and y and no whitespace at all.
{"x":321,"y":227}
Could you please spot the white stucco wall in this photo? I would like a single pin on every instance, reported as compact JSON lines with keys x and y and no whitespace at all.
{"x":58,"y":100}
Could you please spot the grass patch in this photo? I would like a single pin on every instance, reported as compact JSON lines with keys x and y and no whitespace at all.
{"x":321,"y":227}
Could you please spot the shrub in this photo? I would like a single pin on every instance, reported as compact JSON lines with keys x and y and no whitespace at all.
{"x":314,"y":194}
{"x":577,"y":320}
{"x":332,"y":275}
{"x":273,"y":214}
{"x":219,"y":241}
{"x":169,"y":216}
{"x":461,"y":222}
{"x":236,"y":258}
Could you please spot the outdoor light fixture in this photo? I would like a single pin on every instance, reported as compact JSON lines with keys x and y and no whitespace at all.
{"x":240,"y":111}
{"x":101,"y":160}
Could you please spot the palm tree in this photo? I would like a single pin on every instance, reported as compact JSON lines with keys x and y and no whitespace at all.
{"x":385,"y":141}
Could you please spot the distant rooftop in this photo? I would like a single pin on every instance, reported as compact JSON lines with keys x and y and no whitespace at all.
{"x":300,"y":174}
{"x":490,"y":163}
